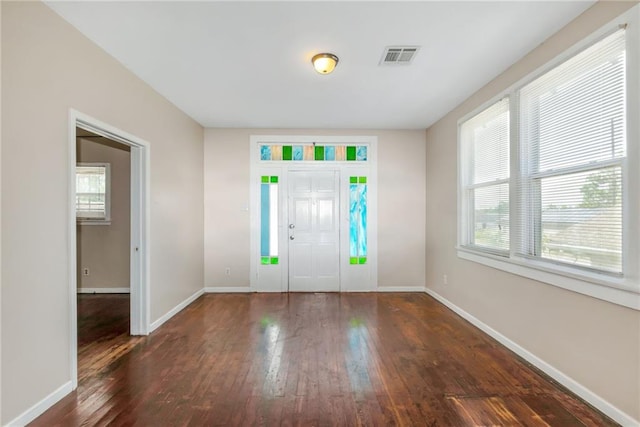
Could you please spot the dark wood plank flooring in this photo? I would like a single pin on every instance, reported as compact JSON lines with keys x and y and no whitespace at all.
{"x":103,"y":332}
{"x":315,"y":359}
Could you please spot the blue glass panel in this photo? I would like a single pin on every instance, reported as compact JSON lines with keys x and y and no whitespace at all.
{"x":353,"y":220}
{"x":264,"y":219}
{"x":362,"y":223}
{"x":361,"y":153}
{"x":297,"y":152}
{"x":265,"y":152}
{"x":329,"y":152}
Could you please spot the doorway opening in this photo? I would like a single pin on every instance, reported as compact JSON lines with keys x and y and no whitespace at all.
{"x":108,"y":241}
{"x":103,"y":215}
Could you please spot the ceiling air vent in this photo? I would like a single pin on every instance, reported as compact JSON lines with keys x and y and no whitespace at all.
{"x":398,"y":55}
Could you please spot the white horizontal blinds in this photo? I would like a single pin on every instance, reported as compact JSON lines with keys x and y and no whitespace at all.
{"x":572,"y":136}
{"x":91,"y":191}
{"x":485,"y":141}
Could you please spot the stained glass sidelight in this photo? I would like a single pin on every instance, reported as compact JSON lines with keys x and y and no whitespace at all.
{"x":358,"y":220}
{"x":269,"y":220}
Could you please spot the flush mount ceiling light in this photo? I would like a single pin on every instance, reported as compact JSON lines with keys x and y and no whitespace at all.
{"x":324,"y":63}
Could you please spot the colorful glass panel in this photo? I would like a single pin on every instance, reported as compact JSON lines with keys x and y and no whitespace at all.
{"x":351,"y":153}
{"x":330,"y":153}
{"x":361,"y":153}
{"x":269,"y":220}
{"x":287,"y":152}
{"x":265,"y":152}
{"x":276,"y":152}
{"x":308,"y":152}
{"x":362,"y":223}
{"x":318,"y":153}
{"x":357,"y":220}
{"x":265,"y":204}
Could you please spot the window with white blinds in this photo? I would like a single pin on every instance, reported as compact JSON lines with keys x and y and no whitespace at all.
{"x":485,"y":142}
{"x":549,"y":182}
{"x":572,"y":148}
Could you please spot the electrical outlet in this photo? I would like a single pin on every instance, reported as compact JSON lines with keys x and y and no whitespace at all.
{"x":227,"y":271}
{"x":445,"y":279}
{"x":85,"y":271}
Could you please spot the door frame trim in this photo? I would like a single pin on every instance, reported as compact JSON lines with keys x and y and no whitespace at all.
{"x":139,"y":233}
{"x":352,"y":278}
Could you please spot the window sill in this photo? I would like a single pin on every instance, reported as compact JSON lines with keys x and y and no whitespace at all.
{"x":600,"y":286}
{"x":93,"y":222}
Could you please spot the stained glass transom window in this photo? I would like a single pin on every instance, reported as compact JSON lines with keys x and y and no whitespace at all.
{"x":314,"y":153}
{"x":357,"y":220}
{"x":269,"y":220}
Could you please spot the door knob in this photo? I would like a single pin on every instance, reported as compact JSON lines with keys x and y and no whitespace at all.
{"x":291,"y":237}
{"x":292,"y":226}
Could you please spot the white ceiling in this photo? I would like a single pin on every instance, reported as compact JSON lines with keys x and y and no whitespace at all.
{"x":247,"y":64}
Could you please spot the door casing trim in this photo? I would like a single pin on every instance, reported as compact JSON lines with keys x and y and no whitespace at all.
{"x":275,"y":278}
{"x":140,"y":228}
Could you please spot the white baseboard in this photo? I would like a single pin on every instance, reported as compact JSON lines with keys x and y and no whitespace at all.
{"x":247,"y":289}
{"x":39,"y":408}
{"x":601,"y":404}
{"x":227,"y":289}
{"x":104,"y":290}
{"x":401,"y":288}
{"x":175,"y":310}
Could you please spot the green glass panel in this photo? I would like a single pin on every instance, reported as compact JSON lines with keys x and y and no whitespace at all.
{"x":274,"y":179}
{"x":353,"y":260}
{"x":274,"y":260}
{"x":265,"y":179}
{"x":362,"y":260}
{"x":287,"y":152}
{"x":319,"y":152}
{"x":265,"y":260}
{"x":362,"y":180}
{"x":351,"y":152}
{"x":353,"y":180}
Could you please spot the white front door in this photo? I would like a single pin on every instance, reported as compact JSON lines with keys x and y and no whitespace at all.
{"x":314,"y":231}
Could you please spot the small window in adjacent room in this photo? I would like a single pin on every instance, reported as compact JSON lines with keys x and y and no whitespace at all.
{"x":92,"y":193}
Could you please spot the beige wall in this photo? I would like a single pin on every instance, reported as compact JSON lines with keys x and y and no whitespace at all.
{"x":594,"y":342}
{"x":104,"y":249}
{"x":47,"y":68}
{"x":401,"y":203}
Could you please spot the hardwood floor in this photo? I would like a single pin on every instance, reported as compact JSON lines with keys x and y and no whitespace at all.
{"x":102,"y":316}
{"x":103,"y":332}
{"x":317,"y":359}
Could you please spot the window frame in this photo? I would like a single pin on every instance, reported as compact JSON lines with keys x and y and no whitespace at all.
{"x":622,"y":289}
{"x":468,"y":187}
{"x":106,"y":220}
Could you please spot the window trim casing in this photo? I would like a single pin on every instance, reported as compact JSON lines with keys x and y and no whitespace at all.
{"x":107,"y":197}
{"x":622,"y":290}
